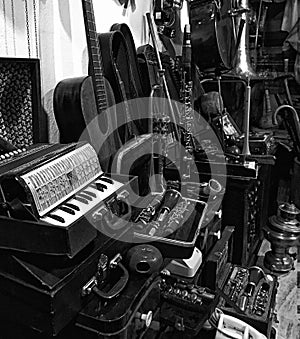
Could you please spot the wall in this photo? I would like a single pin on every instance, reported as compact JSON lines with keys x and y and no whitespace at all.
{"x":13,"y":31}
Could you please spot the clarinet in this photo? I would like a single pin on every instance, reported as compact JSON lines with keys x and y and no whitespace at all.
{"x":186,"y":98}
{"x":170,"y":200}
{"x":163,"y":130}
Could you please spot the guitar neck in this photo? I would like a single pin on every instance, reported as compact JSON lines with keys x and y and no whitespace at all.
{"x":94,"y":53}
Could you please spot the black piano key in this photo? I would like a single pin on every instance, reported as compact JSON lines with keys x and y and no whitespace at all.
{"x":74,"y":207}
{"x":67,"y":209}
{"x":56,"y":217}
{"x":108,"y":180}
{"x":101,"y":185}
{"x":84,"y":196}
{"x":84,"y":201}
{"x":92,"y":194}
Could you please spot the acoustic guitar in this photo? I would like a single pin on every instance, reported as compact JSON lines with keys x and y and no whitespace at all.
{"x":80,"y":103}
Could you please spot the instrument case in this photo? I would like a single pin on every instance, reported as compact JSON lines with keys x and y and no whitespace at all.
{"x":219,"y":274}
{"x":179,"y":244}
{"x":261,"y":320}
{"x":45,"y":293}
{"x":135,"y":158}
{"x":122,"y":317}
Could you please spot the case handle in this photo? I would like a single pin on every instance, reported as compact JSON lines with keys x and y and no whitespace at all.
{"x":101,"y":276}
{"x":116,"y":289}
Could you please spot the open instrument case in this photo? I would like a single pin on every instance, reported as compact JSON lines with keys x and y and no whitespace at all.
{"x":246,"y":293}
{"x":255,"y":307}
{"x":183,"y":222}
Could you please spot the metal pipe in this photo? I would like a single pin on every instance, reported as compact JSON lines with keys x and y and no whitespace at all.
{"x":295,"y":115}
{"x":294,"y":131}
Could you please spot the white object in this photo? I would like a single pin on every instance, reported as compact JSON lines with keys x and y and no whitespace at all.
{"x":231,"y":327}
{"x":186,"y":267}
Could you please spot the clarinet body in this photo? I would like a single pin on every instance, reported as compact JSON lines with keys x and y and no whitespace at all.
{"x":170,"y":200}
{"x":186,"y":99}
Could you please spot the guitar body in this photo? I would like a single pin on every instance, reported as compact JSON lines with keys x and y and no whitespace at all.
{"x":75,"y":110}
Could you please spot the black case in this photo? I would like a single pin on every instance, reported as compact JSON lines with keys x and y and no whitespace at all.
{"x":215,"y":262}
{"x":121,"y":316}
{"x":46,"y":294}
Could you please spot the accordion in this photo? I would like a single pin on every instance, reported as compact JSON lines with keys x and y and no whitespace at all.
{"x":50,"y":195}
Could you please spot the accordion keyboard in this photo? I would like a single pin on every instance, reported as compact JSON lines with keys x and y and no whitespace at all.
{"x":83,"y":202}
